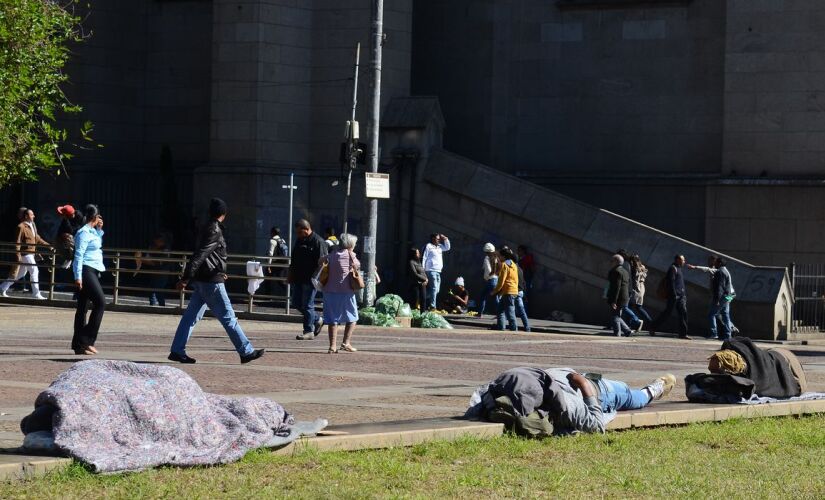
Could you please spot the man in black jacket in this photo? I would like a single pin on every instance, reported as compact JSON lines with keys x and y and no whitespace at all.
{"x":676,"y":298}
{"x":618,"y":295}
{"x":308,"y":250}
{"x":206,"y":270}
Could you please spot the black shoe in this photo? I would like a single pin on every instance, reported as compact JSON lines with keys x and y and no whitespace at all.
{"x":318,"y":325}
{"x":181,"y":358}
{"x":257,"y":353}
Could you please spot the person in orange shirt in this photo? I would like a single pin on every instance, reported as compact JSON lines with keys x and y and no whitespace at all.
{"x":507,"y":289}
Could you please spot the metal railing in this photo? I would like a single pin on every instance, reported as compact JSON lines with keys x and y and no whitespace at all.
{"x":808,"y":309}
{"x":124,"y":265}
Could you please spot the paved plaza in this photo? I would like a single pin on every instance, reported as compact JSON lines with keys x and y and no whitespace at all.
{"x":398,"y":374}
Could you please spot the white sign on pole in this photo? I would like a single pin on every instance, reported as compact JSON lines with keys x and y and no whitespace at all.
{"x":378,"y":185}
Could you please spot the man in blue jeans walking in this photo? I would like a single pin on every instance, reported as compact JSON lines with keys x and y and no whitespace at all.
{"x":306,"y":253}
{"x":206,"y":270}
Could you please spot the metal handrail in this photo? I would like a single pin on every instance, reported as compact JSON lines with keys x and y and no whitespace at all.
{"x":120,"y":255}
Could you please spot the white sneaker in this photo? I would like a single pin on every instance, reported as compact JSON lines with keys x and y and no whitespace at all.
{"x":39,"y":297}
{"x":661,"y":387}
{"x":4,"y":294}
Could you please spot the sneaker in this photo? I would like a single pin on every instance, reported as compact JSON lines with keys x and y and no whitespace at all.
{"x":661,"y":387}
{"x":712,"y":337}
{"x":318,"y":325}
{"x":305,"y":336}
{"x":39,"y":297}
{"x":257,"y":353}
{"x":4,"y":294}
{"x":735,"y":331}
{"x":181,"y":358}
{"x":639,"y":328}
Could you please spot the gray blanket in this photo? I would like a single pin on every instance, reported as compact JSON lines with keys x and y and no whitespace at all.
{"x":119,"y":416}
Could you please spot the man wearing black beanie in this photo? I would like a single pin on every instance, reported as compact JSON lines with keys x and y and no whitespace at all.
{"x":206,"y":270}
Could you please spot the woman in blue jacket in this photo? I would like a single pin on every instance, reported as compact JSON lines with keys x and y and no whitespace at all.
{"x":87,"y":266}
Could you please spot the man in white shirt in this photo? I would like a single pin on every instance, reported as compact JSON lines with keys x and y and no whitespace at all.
{"x":433,"y":264}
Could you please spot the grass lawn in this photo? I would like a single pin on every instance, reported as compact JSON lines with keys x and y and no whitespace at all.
{"x":763,"y":458}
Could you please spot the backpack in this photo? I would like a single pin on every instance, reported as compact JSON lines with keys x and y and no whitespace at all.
{"x":281,"y":248}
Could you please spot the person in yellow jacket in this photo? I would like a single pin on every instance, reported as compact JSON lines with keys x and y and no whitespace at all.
{"x":507,"y":289}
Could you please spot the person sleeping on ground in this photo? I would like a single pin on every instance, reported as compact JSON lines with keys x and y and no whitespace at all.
{"x":557,"y":401}
{"x":741,"y":370}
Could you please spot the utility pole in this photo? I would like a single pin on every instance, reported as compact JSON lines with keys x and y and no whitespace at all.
{"x":292,"y":187}
{"x":370,"y":241}
{"x":352,"y":135}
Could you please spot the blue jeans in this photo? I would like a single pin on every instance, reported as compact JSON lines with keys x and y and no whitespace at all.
{"x":723,"y":312}
{"x":521,"y":311}
{"x":617,"y":396}
{"x":433,"y":287}
{"x":303,"y":298}
{"x":641,"y":312}
{"x":631,"y":316}
{"x":489,"y":286}
{"x":618,"y":324}
{"x":507,"y":306}
{"x":212,"y":295}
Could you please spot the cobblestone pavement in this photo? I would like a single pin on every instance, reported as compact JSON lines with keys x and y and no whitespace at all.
{"x":397,"y":374}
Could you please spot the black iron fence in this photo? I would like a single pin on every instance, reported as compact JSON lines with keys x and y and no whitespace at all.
{"x":126,"y":275}
{"x":808,"y":310}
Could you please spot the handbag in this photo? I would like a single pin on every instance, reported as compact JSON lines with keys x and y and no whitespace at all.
{"x":356,"y":281}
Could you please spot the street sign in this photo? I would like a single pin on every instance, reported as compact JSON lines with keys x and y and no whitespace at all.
{"x":378,"y":185}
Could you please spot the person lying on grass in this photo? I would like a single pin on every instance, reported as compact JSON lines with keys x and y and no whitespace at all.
{"x":537,"y":403}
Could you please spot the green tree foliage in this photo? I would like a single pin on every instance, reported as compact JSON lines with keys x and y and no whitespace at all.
{"x":35,"y":36}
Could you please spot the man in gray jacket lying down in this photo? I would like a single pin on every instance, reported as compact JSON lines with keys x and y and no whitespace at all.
{"x":537,"y":403}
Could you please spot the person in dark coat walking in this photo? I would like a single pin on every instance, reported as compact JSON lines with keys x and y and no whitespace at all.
{"x":306,"y":255}
{"x":206,"y":271}
{"x":676,"y":298}
{"x":618,"y":295}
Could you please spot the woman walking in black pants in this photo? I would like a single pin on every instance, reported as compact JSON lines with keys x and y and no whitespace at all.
{"x":87,"y":266}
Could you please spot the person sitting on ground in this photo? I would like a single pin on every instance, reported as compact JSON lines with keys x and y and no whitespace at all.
{"x":538,"y":403}
{"x":740,"y":370}
{"x":457,"y":298}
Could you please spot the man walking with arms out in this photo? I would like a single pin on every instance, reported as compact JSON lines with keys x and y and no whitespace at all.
{"x":306,"y":255}
{"x":433,"y":264}
{"x":206,"y":271}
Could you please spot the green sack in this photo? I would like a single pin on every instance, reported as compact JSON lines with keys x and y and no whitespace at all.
{"x":404,"y":311}
{"x":432,"y":320}
{"x":366,"y":317}
{"x":389,"y":304}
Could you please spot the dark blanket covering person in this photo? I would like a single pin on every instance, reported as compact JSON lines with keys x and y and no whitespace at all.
{"x":124,"y":416}
{"x":768,"y":368}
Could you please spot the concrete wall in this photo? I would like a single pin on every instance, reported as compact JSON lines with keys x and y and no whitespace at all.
{"x":775,"y":88}
{"x":573,"y":242}
{"x":605,"y":90}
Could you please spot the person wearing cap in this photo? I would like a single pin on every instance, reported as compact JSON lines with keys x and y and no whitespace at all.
{"x":457,"y":298}
{"x":27,"y":240}
{"x":489,"y":269}
{"x":206,"y":272}
{"x":70,"y":222}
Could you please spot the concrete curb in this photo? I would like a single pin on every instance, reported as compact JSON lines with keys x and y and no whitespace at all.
{"x":409,"y":433}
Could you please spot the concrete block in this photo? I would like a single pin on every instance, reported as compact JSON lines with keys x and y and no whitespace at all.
{"x":674,"y":417}
{"x":562,"y":32}
{"x":648,"y":29}
{"x":622,"y":421}
{"x":645,"y":419}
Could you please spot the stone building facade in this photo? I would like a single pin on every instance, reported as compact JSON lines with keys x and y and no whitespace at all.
{"x":703,"y":118}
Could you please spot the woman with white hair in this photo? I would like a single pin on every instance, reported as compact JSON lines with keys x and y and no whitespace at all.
{"x":340,"y":307}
